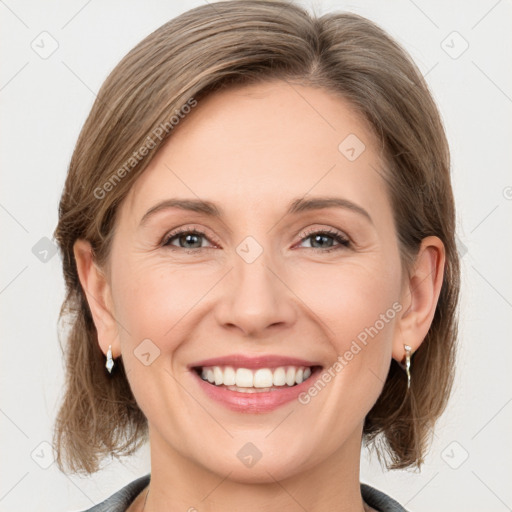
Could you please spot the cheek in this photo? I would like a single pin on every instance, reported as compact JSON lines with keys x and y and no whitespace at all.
{"x":157,"y":307}
{"x":359,"y":310}
{"x":358,"y":306}
{"x":351,"y":297}
{"x":153,"y":298}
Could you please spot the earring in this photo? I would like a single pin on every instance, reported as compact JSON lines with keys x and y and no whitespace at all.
{"x":407,"y":365}
{"x":110,"y":362}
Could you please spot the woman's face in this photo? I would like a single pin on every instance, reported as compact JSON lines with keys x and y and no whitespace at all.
{"x":262,"y":272}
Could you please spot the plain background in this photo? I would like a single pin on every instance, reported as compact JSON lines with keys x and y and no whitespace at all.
{"x":45,"y":100}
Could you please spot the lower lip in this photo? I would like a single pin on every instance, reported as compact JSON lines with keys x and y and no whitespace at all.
{"x":257,"y":402}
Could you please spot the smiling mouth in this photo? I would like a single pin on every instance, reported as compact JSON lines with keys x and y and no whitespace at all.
{"x":246,"y":380}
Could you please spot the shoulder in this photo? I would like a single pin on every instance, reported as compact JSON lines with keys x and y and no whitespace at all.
{"x":380,"y":501}
{"x":123,"y":498}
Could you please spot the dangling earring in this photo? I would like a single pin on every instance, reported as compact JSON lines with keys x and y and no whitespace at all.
{"x":110,"y":362}
{"x":407,"y":365}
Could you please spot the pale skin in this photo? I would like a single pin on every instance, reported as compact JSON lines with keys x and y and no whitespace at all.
{"x":252,"y":151}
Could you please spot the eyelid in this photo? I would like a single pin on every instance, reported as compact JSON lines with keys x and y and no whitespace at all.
{"x":328,"y":230}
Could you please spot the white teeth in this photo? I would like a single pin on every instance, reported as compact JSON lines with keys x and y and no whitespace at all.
{"x":244,"y":378}
{"x":279,"y":377}
{"x":217,"y":373}
{"x":290,"y":376}
{"x":229,"y":376}
{"x":263,"y":378}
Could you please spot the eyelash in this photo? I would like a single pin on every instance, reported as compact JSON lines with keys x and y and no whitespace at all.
{"x":343,"y":242}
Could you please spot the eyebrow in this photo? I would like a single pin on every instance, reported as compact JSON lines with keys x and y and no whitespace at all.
{"x":296,"y":206}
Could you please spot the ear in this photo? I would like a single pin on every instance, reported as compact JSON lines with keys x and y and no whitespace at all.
{"x":99,"y":297}
{"x":419,"y":298}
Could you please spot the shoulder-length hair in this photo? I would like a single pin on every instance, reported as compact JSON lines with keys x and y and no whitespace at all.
{"x":234,"y":43}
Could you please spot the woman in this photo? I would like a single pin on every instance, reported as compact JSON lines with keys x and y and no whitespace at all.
{"x":258,"y":237}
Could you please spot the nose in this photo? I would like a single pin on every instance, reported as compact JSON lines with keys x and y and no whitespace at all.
{"x":256,"y":298}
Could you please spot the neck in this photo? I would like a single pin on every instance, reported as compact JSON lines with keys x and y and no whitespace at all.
{"x":178,"y":483}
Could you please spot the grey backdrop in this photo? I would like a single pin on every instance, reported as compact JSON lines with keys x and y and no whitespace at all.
{"x":55,"y":57}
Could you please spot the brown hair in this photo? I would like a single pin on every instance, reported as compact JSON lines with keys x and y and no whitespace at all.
{"x":234,"y":43}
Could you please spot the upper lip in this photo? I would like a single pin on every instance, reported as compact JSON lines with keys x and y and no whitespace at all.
{"x":259,"y":361}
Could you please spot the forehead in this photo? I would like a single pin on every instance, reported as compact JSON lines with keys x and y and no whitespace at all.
{"x":261,"y":144}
